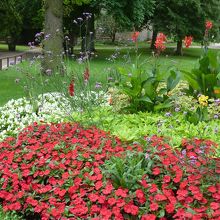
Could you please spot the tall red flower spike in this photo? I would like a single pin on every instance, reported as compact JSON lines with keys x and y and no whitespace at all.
{"x":86,"y":74}
{"x":71,"y":88}
{"x":188,"y":41}
{"x":160,"y":40}
{"x":135,"y":36}
{"x":208,"y":25}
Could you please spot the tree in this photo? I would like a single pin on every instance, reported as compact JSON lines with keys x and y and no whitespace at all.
{"x":130,"y":14}
{"x":32,"y":15}
{"x":183,"y":17}
{"x":10,"y":22}
{"x":53,"y":36}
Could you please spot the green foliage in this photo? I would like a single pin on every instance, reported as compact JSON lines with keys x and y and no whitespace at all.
{"x":131,"y":127}
{"x":127,"y":172}
{"x":9,"y":215}
{"x":183,"y":18}
{"x":76,"y":2}
{"x":205,"y":77}
{"x":129,"y":13}
{"x":144,"y":87}
{"x":11,"y":19}
{"x":18,"y":16}
{"x":201,"y":114}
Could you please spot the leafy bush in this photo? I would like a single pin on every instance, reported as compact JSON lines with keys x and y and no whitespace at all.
{"x":131,"y":127}
{"x":205,"y":78}
{"x":144,"y":87}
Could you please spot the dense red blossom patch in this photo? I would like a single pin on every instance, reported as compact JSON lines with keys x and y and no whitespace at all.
{"x":160,"y":42}
{"x":55,"y":171}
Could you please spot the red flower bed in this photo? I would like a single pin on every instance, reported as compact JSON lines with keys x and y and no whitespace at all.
{"x":55,"y":172}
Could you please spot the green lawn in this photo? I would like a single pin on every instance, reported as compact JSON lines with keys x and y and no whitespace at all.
{"x":19,"y":48}
{"x":99,"y":67}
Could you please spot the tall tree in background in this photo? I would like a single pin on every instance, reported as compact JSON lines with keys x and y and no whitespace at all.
{"x":11,"y":22}
{"x":181,"y":18}
{"x":130,"y":14}
{"x":53,"y":36}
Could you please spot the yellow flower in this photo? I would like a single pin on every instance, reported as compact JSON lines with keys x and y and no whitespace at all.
{"x":203,"y":100}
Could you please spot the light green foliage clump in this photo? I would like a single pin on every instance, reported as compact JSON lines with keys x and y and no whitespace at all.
{"x":132,"y":127}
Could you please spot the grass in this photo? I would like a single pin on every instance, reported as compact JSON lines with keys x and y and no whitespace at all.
{"x":99,"y":67}
{"x":19,"y":48}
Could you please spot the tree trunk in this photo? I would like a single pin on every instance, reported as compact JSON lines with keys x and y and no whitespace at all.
{"x":53,"y":39}
{"x":11,"y":44}
{"x":114,"y":35}
{"x":83,"y":44}
{"x":179,"y":48}
{"x":12,"y":47}
{"x":154,"y":37}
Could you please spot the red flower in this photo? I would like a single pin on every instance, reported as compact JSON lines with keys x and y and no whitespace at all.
{"x":94,"y":209}
{"x":71,"y":88}
{"x":156,"y":171}
{"x":135,"y":36}
{"x":86,"y":74}
{"x":108,"y":189}
{"x":160,"y":197}
{"x":208,"y":25}
{"x":148,"y":217}
{"x":159,"y":43}
{"x":170,"y":208}
{"x":131,"y":209}
{"x":166,"y":179}
{"x":188,"y":41}
{"x":112,"y":201}
{"x":98,"y":185}
{"x":140,"y":194}
{"x":121,"y":192}
{"x":154,"y":206}
{"x":212,"y":189}
{"x":214,"y":205}
{"x":153,"y":188}
{"x":55,"y":213}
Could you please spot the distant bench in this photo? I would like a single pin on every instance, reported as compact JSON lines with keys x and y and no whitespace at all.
{"x":6,"y":61}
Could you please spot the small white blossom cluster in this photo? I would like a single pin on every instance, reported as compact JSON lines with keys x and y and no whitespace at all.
{"x":49,"y":107}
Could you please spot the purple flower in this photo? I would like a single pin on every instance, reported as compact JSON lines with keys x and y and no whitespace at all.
{"x":47,"y":36}
{"x":98,"y":85}
{"x":215,"y":116}
{"x":49,"y":72}
{"x":183,"y":152}
{"x":177,"y":109}
{"x":217,"y":101}
{"x":168,"y":114}
{"x":148,"y":139}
